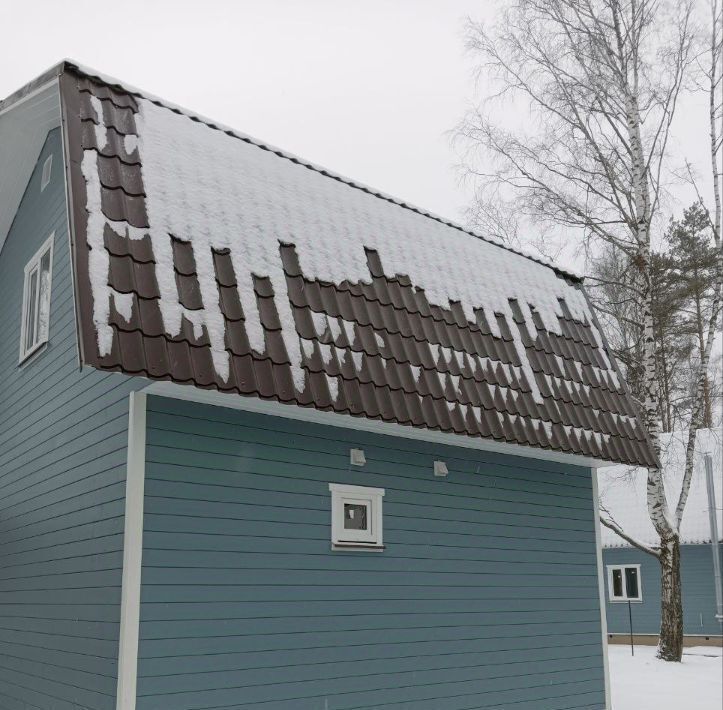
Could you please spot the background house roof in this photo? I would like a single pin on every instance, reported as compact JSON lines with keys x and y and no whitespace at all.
{"x":206,"y":258}
{"x":623,"y":491}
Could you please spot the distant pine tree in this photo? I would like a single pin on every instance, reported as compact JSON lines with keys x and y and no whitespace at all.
{"x":694,"y":260}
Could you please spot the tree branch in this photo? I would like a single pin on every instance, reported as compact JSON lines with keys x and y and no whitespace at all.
{"x":608,"y":523}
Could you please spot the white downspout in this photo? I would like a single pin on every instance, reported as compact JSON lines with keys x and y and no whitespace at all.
{"x":714,"y":537}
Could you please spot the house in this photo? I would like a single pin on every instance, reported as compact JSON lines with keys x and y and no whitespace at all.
{"x":633,"y":575}
{"x":272,"y":439}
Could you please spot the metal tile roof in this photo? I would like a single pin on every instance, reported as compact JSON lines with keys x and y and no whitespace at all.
{"x":375,"y":347}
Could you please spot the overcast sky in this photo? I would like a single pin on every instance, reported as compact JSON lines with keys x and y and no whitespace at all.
{"x":368,"y":88}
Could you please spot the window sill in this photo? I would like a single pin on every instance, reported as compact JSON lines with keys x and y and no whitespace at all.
{"x":357,"y":547}
{"x":25,"y":357}
{"x":625,"y":601}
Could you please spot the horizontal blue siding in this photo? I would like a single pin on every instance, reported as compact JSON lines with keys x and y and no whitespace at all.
{"x":486,"y":596}
{"x":699,"y":605}
{"x":63,"y":436}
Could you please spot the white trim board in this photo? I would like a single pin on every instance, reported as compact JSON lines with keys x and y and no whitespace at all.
{"x":601,"y":589}
{"x":24,"y":128}
{"x":132,"y":554}
{"x":308,"y":414}
{"x":30,"y":95}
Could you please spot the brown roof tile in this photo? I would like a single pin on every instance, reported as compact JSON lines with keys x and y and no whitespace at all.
{"x":376,"y":348}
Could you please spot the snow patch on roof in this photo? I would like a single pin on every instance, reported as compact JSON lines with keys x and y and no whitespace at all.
{"x":98,"y":260}
{"x":101,"y":137}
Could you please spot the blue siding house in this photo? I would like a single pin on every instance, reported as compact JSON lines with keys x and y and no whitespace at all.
{"x":622,"y":492}
{"x":272,"y":439}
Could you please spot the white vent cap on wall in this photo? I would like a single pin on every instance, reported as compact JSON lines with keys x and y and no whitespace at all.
{"x":440,"y":468}
{"x":47,"y":170}
{"x":357,"y":457}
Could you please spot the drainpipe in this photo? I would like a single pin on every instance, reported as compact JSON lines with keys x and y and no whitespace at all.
{"x":714,"y":539}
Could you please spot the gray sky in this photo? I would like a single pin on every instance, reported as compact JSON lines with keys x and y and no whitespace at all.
{"x":368,"y":88}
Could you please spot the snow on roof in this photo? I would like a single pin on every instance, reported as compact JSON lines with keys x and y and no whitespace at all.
{"x":623,"y":491}
{"x":207,"y":189}
{"x":206,"y":253}
{"x":200,"y":118}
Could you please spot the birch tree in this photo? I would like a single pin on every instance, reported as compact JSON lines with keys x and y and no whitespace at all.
{"x":601,"y":81}
{"x":712,"y":63}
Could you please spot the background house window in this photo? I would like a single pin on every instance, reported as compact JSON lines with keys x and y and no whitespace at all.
{"x":356,"y":517}
{"x":36,"y":300}
{"x":47,"y":170}
{"x":624,"y":583}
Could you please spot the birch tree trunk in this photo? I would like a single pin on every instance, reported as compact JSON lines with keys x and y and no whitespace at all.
{"x":670,"y":640}
{"x":670,"y":644}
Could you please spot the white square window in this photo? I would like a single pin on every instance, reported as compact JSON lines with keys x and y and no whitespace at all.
{"x":356,"y":517}
{"x":36,"y":300}
{"x":47,"y":171}
{"x":624,"y":583}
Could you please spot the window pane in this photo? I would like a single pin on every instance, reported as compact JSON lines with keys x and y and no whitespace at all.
{"x":355,"y":516}
{"x":617,"y":583}
{"x":32,"y":310}
{"x":631,"y":582}
{"x":44,"y":298}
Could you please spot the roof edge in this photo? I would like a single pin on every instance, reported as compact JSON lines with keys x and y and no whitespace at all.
{"x":38,"y":82}
{"x":286,"y":410}
{"x":68,"y":64}
{"x":623,"y":380}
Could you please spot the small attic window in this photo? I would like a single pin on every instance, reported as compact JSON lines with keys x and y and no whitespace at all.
{"x":36,"y":300}
{"x":356,"y":517}
{"x":47,"y":171}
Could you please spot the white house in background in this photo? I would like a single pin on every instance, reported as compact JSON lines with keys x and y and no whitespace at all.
{"x":632,"y":575}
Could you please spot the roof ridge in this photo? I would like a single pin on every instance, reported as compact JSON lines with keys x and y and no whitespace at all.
{"x":92,"y":74}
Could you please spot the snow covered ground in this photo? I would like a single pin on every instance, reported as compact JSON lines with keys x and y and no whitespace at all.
{"x":644,"y":683}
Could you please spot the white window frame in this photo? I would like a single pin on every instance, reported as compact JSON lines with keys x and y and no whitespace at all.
{"x":370,"y":539}
{"x":47,"y":172}
{"x":33,"y":265}
{"x":625,"y":597}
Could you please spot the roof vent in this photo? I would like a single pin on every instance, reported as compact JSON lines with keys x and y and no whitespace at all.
{"x":357,"y":457}
{"x":440,"y":469}
{"x":47,"y":168}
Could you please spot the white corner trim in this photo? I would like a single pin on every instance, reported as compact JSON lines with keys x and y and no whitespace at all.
{"x":601,"y":588}
{"x":132,"y":554}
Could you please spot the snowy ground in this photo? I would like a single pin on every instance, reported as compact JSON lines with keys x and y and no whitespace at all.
{"x":644,"y":683}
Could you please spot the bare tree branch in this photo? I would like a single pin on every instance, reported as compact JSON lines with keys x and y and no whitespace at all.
{"x":608,"y":523}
